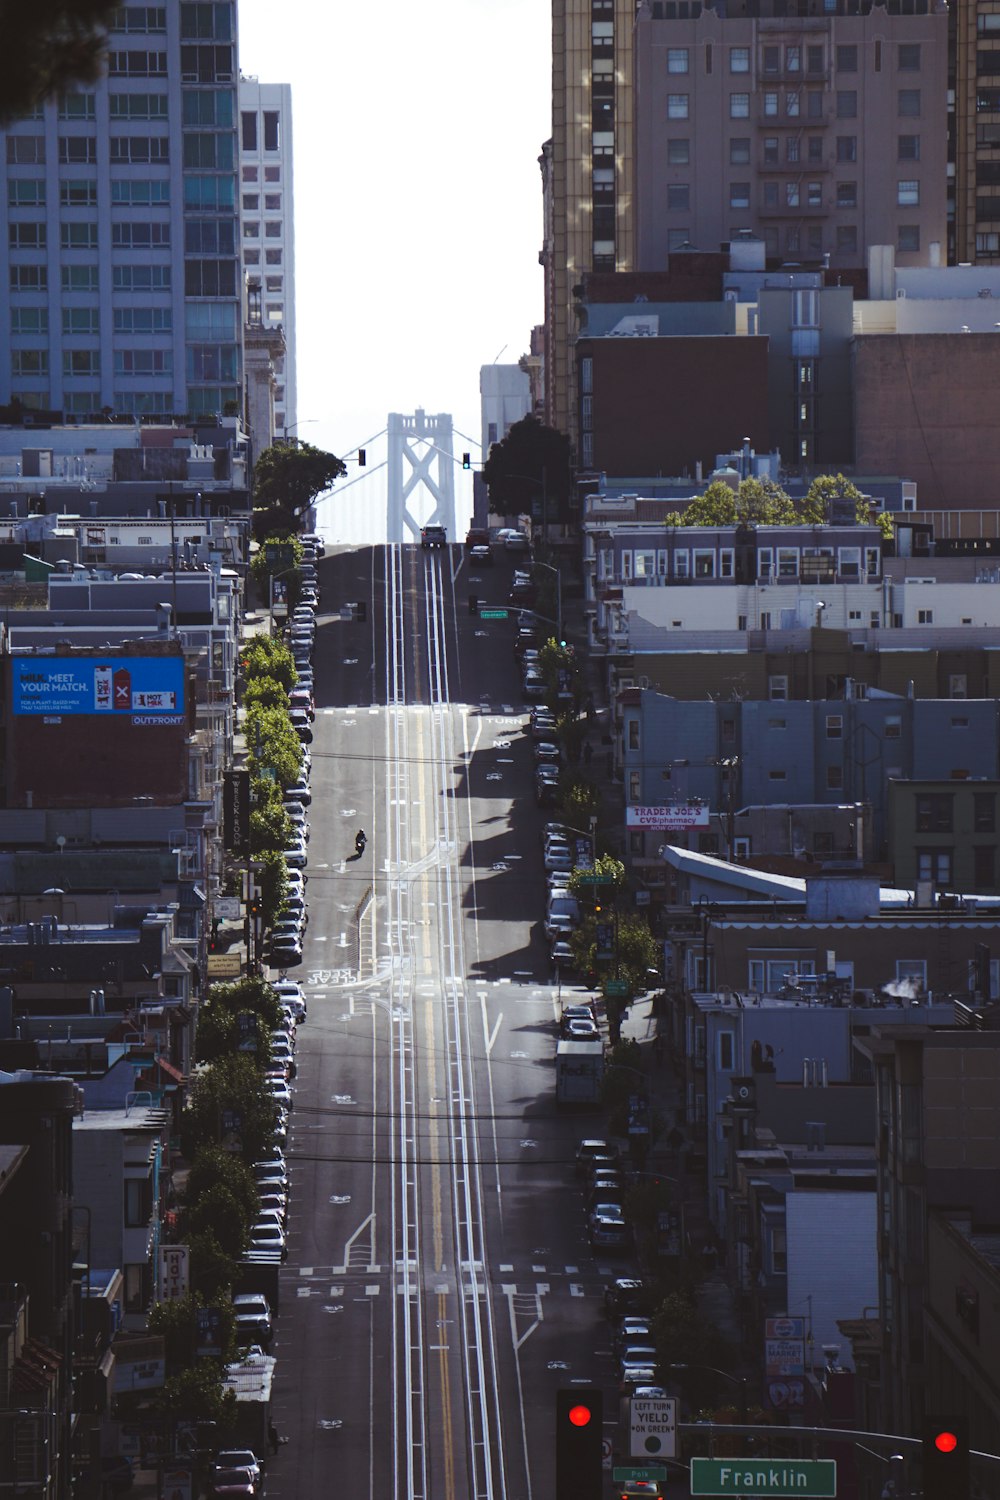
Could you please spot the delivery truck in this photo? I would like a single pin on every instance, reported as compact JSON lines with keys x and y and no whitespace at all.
{"x":579,"y":1072}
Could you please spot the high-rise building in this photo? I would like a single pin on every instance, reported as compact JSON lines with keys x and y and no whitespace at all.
{"x":974,"y":86}
{"x":587,"y":175}
{"x":822,"y":133}
{"x":268,"y":234}
{"x":120,"y":287}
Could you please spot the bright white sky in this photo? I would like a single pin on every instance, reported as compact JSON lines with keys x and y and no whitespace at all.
{"x":418,"y":208}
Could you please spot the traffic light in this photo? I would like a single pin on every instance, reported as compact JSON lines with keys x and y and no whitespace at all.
{"x":946,"y":1458}
{"x":362,"y":458}
{"x":579,"y":1436}
{"x":466,"y":460}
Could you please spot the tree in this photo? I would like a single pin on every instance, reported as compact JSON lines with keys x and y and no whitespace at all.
{"x":265,"y":692}
{"x":49,"y":46}
{"x":272,"y":878}
{"x":213,"y":1272}
{"x":231,"y":1088}
{"x":213,"y":1165}
{"x":636,"y":951}
{"x":273,"y":744}
{"x":270,"y":829}
{"x":177,"y":1322}
{"x":218,"y":1212}
{"x":198,"y":1394}
{"x":286,"y":480}
{"x":762,"y":502}
{"x":613,"y":871}
{"x":716,"y":507}
{"x":267,"y":656}
{"x":826,"y":488}
{"x":529,"y":471}
{"x":579,"y":799}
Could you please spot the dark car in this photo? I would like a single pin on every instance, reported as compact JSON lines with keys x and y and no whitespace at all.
{"x":593,"y":1149}
{"x":433,"y":536}
{"x":481,"y":553}
{"x":624,"y":1296}
{"x":232,"y":1482}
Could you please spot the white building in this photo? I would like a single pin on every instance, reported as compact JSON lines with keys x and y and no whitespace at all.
{"x":268,"y":229}
{"x":120,"y":257}
{"x":505,"y":398}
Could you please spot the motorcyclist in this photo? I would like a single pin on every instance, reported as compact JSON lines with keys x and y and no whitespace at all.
{"x":360,"y":841}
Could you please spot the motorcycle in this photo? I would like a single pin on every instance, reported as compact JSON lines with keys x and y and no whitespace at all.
{"x":359,"y":843}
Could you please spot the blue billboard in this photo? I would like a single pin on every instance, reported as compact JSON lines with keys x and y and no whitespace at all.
{"x":150,"y":685}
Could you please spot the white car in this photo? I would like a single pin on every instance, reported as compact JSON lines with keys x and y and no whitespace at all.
{"x":513,"y":540}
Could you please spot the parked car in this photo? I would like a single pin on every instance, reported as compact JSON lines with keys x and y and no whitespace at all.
{"x":607,"y":1228}
{"x":548,"y":750}
{"x":253,"y":1318}
{"x":268,"y":1235}
{"x":582,"y":1031}
{"x":625,"y":1296}
{"x":562,"y":955}
{"x":577,"y":1012}
{"x":592,"y":1149}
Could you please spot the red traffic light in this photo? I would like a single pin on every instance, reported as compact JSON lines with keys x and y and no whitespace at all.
{"x":579,"y":1415}
{"x":946,"y":1442}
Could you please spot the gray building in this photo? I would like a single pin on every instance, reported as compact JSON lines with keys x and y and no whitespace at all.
{"x":121,"y":253}
{"x":822,"y":133}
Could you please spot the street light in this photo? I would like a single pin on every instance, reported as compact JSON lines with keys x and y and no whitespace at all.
{"x":740,"y":1380}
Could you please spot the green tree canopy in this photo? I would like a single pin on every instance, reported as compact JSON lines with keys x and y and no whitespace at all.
{"x":198,"y":1394}
{"x":218,"y":1212}
{"x":267,"y":656}
{"x":272,"y":744}
{"x":270,"y":828}
{"x":177,"y":1322}
{"x":272,"y":877}
{"x":529,"y":471}
{"x":231,"y":1088}
{"x":286,"y":480}
{"x":48,"y":46}
{"x":612,"y":869}
{"x":265,"y":692}
{"x":636,"y":950}
{"x":824,"y":490}
{"x":213,"y":1165}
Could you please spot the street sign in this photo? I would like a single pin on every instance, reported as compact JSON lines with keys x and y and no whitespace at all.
{"x":652,"y":1427}
{"x":224,"y":965}
{"x":488,"y":613}
{"x":617,"y":987}
{"x":589,"y":877}
{"x":764,"y":1476}
{"x":648,"y":1472}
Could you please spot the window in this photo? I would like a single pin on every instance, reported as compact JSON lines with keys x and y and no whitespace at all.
{"x":847,"y":148}
{"x":777,"y":689}
{"x":815,"y":60}
{"x":770,"y":103}
{"x":788,"y":562}
{"x":272,"y":229}
{"x":770,"y":151}
{"x":138,"y":106}
{"x":26,"y":236}
{"x":704,"y":563}
{"x":908,"y":148}
{"x":739,"y":106}
{"x":77,"y":150}
{"x":80,"y":320}
{"x":908,"y":237}
{"x":847,"y":195}
{"x":81,"y":362}
{"x":137,"y":64}
{"x":76,"y":106}
{"x":677,"y":60}
{"x":847,"y":59}
{"x":727,"y":1051}
{"x":792,"y":194}
{"x":935,"y":812}
{"x":248,"y":130}
{"x":133,"y":191}
{"x":29,"y":320}
{"x":792,"y":149}
{"x":814,"y":194}
{"x":679,"y":195}
{"x":25,"y":150}
{"x":834,"y":778}
{"x":770,"y":60}
{"x":739,"y":59}
{"x":635,"y":786}
{"x":792,"y":105}
{"x":815,"y":148}
{"x":925,"y":617}
{"x":272,"y":257}
{"x":934,"y":864}
{"x":908,"y":193}
{"x":29,"y":362}
{"x":739,"y":150}
{"x":633,"y":734}
{"x":777,"y":775}
{"x":770,"y":195}
{"x":984,"y":867}
{"x":26,"y":192}
{"x":679,"y":152}
{"x":908,"y":102}
{"x":143,"y":361}
{"x":141,"y":236}
{"x":677,"y":106}
{"x":793,"y":59}
{"x":273,"y":174}
{"x":146,"y":319}
{"x":140,"y":149}
{"x":893,"y":727}
{"x":847,"y":104}
{"x":270,"y":130}
{"x":739,"y":195}
{"x":909,"y":57}
{"x":958,"y":685}
{"x":834,"y":726}
{"x":272,"y":203}
{"x":984,"y":812}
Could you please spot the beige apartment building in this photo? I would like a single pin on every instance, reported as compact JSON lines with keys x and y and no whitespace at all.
{"x":586,"y":175}
{"x":822,"y":134}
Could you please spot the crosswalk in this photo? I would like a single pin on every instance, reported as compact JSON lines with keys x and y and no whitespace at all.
{"x":371,"y":1280}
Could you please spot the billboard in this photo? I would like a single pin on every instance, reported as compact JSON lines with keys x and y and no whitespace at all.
{"x":61,"y":685}
{"x":678,"y":815}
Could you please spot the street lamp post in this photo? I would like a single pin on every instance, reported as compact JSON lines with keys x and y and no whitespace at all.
{"x":740,"y":1380}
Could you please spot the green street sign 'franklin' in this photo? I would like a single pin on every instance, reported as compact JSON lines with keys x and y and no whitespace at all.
{"x":761,"y":1476}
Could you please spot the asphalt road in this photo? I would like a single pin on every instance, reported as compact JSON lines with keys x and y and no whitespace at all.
{"x":439,"y":1286}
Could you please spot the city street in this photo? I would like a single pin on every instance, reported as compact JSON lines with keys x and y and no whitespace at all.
{"x":439,"y":1286}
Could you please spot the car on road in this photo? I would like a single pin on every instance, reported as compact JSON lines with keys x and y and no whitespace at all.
{"x":254,"y":1323}
{"x":633,"y":1328}
{"x":562,"y":955}
{"x":548,"y":750}
{"x":643,"y":1355}
{"x":513,"y":540}
{"x":239,"y":1458}
{"x":534,"y":684}
{"x":481,"y":554}
{"x":607,"y":1230}
{"x":582,"y":1031}
{"x":433,"y":537}
{"x":225,"y":1484}
{"x":560,"y":857}
{"x":577,"y":1012}
{"x":592,"y":1149}
{"x":625,"y":1297}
